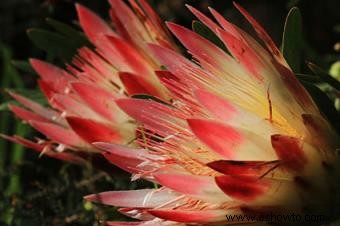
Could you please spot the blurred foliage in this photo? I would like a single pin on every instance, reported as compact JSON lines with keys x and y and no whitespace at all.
{"x":292,"y":39}
{"x":43,"y":191}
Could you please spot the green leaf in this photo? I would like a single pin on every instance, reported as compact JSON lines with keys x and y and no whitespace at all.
{"x":292,"y":39}
{"x":324,"y":75}
{"x":325,"y":105}
{"x":23,"y":66}
{"x":205,"y":32}
{"x":292,"y":3}
{"x":308,"y":78}
{"x":77,"y":36}
{"x":53,"y":43}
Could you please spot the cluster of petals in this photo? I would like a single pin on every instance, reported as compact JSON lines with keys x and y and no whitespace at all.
{"x":82,"y":97}
{"x":224,"y":133}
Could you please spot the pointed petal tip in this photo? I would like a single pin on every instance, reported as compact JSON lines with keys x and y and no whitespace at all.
{"x":191,"y":8}
{"x":171,"y":25}
{"x":136,"y":84}
{"x":40,"y":66}
{"x":241,"y":9}
{"x":25,"y":114}
{"x":102,"y":145}
{"x":91,"y":23}
{"x":211,"y":9}
{"x":5,"y":136}
{"x":290,"y":151}
{"x":80,"y":8}
{"x":11,"y":93}
{"x":219,"y":137}
{"x":92,"y":131}
{"x":168,"y":22}
{"x":237,"y":5}
{"x":92,"y":198}
{"x":82,"y":11}
{"x":97,"y":198}
{"x":33,"y":60}
{"x":177,"y":29}
{"x":36,"y":64}
{"x":88,"y":197}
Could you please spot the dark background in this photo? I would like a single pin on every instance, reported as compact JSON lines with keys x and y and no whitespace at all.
{"x":42,"y":191}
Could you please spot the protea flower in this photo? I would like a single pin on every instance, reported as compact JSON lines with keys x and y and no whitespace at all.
{"x":242,"y":136}
{"x":233,"y":134}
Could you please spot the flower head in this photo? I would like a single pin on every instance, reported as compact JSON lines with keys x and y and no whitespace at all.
{"x":234,"y":133}
{"x":242,"y":136}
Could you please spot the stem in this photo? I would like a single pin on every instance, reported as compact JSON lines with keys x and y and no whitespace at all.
{"x":14,"y":185}
{"x":4,"y":125}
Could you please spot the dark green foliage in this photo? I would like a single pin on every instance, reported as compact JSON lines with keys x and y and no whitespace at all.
{"x":76,"y":36}
{"x":324,"y":76}
{"x":308,"y":78}
{"x":10,"y":155}
{"x":56,"y":45}
{"x":55,"y":197}
{"x":325,"y":105}
{"x":62,"y":44}
{"x":23,"y":66}
{"x":292,"y":40}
